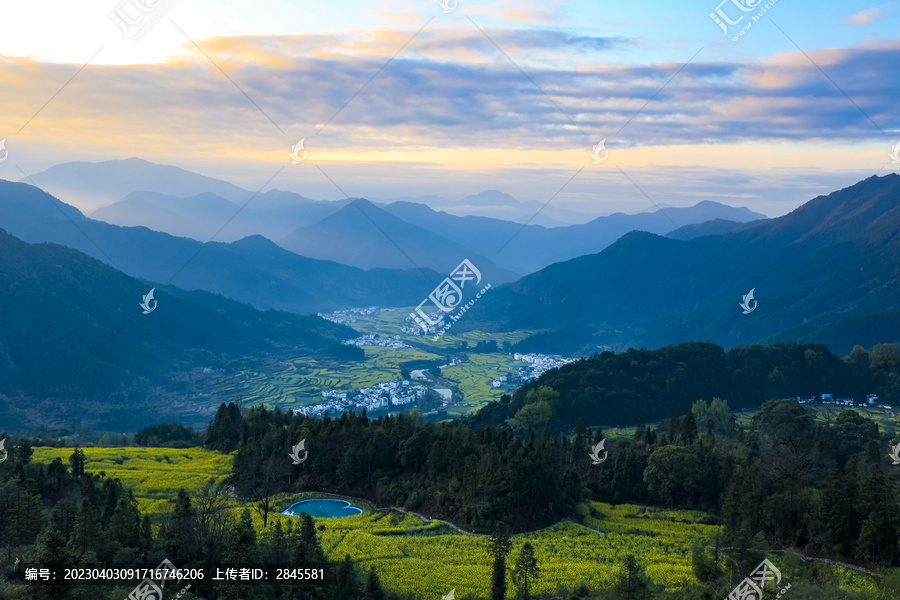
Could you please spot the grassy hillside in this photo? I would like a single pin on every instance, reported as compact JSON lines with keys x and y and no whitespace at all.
{"x":76,"y":340}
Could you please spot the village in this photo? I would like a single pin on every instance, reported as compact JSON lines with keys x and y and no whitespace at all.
{"x":351,"y":315}
{"x":373,"y":339}
{"x":385,"y":395}
{"x":535,"y":366}
{"x":872,"y":400}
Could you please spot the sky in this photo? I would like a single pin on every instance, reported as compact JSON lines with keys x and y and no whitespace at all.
{"x":405,"y":99}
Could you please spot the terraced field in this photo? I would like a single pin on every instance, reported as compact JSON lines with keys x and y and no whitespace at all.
{"x":301,"y":381}
{"x":475,"y":374}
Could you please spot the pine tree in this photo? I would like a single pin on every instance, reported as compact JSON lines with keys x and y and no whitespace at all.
{"x":689,"y":429}
{"x":51,"y":553}
{"x":86,"y":533}
{"x":27,"y":516}
{"x":146,"y":533}
{"x":632,"y":584}
{"x":76,"y":460}
{"x":242,"y":539}
{"x":499,"y":546}
{"x":22,"y":454}
{"x":348,"y":586}
{"x":125,"y":523}
{"x":178,"y":538}
{"x":309,"y":541}
{"x":277,"y":545}
{"x":224,"y":432}
{"x":836,"y":516}
{"x":526,"y":569}
{"x":878,"y":538}
{"x":374,"y":590}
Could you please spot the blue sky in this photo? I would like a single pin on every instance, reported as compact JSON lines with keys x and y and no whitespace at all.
{"x":493,"y":95}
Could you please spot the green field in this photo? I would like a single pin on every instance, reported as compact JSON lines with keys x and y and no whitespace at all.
{"x":474,"y":375}
{"x":301,"y":381}
{"x":153,"y":474}
{"x":431,"y":559}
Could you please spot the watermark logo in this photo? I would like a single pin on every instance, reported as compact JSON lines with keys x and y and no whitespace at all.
{"x":748,"y":298}
{"x":895,"y":455}
{"x":447,"y":297}
{"x":4,"y":450}
{"x":895,"y":153}
{"x":148,"y":588}
{"x":723,"y":20}
{"x":595,"y":452}
{"x":751,"y":588}
{"x":148,"y":298}
{"x":137,"y":17}
{"x":595,"y":155}
{"x":448,"y":5}
{"x":450,"y":595}
{"x":296,"y":450}
{"x":5,"y":154}
{"x":295,"y":152}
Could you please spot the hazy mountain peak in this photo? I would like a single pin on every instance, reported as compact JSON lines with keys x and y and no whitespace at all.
{"x":93,"y":184}
{"x":494,"y":197}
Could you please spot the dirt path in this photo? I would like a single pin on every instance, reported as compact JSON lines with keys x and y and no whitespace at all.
{"x":429,"y":521}
{"x":824,"y":560}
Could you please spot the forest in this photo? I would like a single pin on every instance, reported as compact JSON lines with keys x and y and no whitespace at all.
{"x":786,"y":483}
{"x":621,"y":389}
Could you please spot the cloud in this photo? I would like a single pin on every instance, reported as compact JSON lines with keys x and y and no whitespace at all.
{"x":451,"y":106}
{"x":864,"y":17}
{"x":456,"y":90}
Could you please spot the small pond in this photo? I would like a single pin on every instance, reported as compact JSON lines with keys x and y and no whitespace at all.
{"x":323,"y":508}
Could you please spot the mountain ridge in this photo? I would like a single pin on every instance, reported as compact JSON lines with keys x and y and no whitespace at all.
{"x":825,"y":271}
{"x":275,"y":278}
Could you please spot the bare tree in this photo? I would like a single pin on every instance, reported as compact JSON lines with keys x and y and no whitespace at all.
{"x":213,"y":521}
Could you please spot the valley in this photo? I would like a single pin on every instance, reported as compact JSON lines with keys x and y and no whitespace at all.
{"x":514,"y":300}
{"x":299,"y":383}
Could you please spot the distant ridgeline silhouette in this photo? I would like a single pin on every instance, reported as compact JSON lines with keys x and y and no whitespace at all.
{"x":827,"y":272}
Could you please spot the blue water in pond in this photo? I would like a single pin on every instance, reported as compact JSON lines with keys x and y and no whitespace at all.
{"x":323,"y":509}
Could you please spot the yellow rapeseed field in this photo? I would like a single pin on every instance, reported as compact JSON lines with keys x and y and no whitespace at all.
{"x":430,"y":560}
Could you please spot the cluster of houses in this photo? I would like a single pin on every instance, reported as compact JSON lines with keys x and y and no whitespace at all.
{"x":373,"y":339}
{"x":350,"y":315}
{"x":872,"y":400}
{"x":414,"y":326}
{"x":383,"y":395}
{"x":537,"y":364}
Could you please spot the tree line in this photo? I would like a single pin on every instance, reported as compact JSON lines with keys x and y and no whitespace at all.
{"x":402,"y":460}
{"x":60,"y":516}
{"x":621,"y":389}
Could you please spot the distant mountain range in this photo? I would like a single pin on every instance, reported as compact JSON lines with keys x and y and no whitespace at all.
{"x":495,"y":204}
{"x":827,"y":272}
{"x":92,"y":185}
{"x":273,"y":214}
{"x":434,"y":232}
{"x":525,"y":249}
{"x":366,"y":236}
{"x":73,"y":328}
{"x":711,"y":227}
{"x":252,"y":270}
